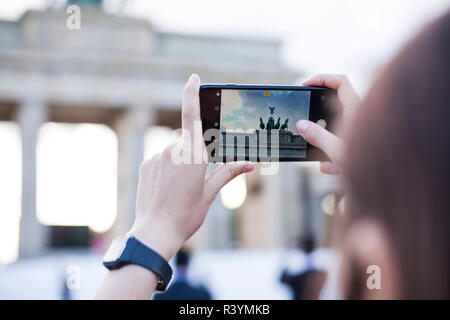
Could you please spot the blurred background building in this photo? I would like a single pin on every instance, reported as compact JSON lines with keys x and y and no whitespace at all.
{"x":81,"y":108}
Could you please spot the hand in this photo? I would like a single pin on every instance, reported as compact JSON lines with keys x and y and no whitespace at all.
{"x":322,"y":138}
{"x":173,"y":199}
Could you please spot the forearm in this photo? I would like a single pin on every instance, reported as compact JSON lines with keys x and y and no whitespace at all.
{"x":133,"y":281}
{"x":128,"y":282}
{"x":172,"y":202}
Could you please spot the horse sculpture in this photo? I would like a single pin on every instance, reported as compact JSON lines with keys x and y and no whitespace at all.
{"x":270,"y":124}
{"x":277,"y":125}
{"x":284,"y":126}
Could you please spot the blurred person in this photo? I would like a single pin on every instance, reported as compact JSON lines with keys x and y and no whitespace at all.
{"x":394,"y":160}
{"x":181,"y":289}
{"x":395,"y":172}
{"x":307,"y":283}
{"x":66,"y":294}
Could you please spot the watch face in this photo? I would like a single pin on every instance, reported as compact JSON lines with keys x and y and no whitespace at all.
{"x":115,"y":249}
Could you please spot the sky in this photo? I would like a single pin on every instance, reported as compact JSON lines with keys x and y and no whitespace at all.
{"x":241,"y":109}
{"x":353,"y":37}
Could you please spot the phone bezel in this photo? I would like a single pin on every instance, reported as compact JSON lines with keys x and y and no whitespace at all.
{"x":210,"y":115}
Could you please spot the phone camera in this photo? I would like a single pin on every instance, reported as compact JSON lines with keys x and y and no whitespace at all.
{"x":216,"y":108}
{"x":216,"y":124}
{"x":217,"y":93}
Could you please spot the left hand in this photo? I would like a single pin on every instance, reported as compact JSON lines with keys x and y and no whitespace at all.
{"x":173,"y":199}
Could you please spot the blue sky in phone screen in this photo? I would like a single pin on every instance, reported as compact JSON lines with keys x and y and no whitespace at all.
{"x":241,"y":109}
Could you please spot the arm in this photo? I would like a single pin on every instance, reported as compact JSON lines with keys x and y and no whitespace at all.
{"x":172,"y":200}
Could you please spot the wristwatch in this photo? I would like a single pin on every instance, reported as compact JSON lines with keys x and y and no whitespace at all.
{"x":128,"y":250}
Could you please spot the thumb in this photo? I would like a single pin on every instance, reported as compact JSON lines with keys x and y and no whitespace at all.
{"x":321,"y":138}
{"x":226,"y":172}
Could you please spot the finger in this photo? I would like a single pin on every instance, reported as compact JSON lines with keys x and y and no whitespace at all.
{"x":222,"y":175}
{"x":346,"y":92}
{"x":328,"y":167}
{"x":321,"y":138}
{"x":190,"y":112}
{"x":333,"y":81}
{"x":192,"y":136}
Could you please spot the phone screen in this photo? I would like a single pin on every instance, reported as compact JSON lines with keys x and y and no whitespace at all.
{"x":262,"y":123}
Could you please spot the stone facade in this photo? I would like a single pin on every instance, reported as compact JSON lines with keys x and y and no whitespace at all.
{"x":125,"y":73}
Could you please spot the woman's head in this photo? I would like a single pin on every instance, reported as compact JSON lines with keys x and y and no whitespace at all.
{"x":397,"y":175}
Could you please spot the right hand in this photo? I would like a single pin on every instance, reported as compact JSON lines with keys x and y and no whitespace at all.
{"x":173,"y":198}
{"x":322,"y":138}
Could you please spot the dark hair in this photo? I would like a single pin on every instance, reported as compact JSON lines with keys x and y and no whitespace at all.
{"x":397,"y":166}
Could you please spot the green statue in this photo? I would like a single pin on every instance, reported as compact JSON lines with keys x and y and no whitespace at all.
{"x":261,"y":123}
{"x":277,"y":125}
{"x":270,"y":124}
{"x":284,"y":126}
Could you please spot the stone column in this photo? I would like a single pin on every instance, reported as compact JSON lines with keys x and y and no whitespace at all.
{"x":130,"y":128}
{"x":215,"y":232}
{"x":290,"y":178}
{"x":271,"y":210}
{"x":32,"y":113}
{"x":280,"y":206}
{"x":321,"y":185}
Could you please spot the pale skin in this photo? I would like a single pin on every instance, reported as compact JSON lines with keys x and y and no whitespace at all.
{"x":171,"y":204}
{"x":318,"y":136}
{"x":173,"y":199}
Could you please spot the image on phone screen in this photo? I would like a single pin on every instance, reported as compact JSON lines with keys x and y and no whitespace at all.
{"x":261,"y":123}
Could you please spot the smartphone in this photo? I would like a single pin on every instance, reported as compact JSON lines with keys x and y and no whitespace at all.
{"x":258,"y":122}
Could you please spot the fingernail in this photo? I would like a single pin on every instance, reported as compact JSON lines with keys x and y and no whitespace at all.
{"x":248,"y":168}
{"x":194,"y":77}
{"x":302,"y":125}
{"x":333,"y":170}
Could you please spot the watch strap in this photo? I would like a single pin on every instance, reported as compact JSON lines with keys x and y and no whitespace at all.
{"x":136,"y":252}
{"x":150,"y":259}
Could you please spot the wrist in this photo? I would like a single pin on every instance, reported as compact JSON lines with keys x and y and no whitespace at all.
{"x":157,"y":237}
